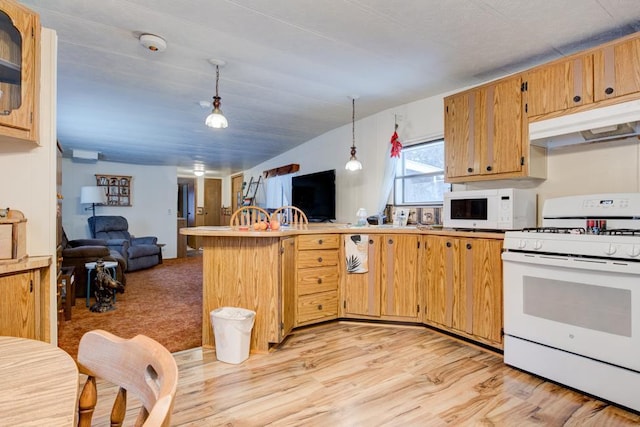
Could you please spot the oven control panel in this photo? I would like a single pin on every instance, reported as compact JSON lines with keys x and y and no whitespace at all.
{"x":593,"y":205}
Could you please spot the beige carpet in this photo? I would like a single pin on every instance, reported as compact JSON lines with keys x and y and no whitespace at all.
{"x":163,"y":302}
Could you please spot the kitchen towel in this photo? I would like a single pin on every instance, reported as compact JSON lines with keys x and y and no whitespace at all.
{"x":356,"y":252}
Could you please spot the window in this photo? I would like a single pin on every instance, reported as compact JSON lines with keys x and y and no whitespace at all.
{"x":420,"y":175}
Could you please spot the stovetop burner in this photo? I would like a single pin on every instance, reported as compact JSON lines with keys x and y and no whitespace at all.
{"x":558,"y":230}
{"x":621,"y":232}
{"x":581,"y":230}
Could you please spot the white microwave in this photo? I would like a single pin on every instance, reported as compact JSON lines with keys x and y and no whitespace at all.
{"x":497,"y":209}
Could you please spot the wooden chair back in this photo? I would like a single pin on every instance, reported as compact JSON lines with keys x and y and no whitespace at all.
{"x":290,"y":215}
{"x":248,"y":215}
{"x":139,"y":365}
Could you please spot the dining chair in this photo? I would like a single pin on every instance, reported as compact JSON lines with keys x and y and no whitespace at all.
{"x":139,"y":365}
{"x":248,"y":215}
{"x":290,"y":215}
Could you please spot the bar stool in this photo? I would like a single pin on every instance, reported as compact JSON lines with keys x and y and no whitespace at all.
{"x":110,"y":266}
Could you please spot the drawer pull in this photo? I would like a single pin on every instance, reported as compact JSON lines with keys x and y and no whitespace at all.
{"x":319,"y":306}
{"x":319,"y":259}
{"x":319,"y":280}
{"x":320,"y":241}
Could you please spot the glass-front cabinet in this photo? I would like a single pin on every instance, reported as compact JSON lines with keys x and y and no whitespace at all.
{"x":19,"y":72}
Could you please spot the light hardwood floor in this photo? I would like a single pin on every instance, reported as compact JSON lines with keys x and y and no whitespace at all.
{"x":355,"y":374}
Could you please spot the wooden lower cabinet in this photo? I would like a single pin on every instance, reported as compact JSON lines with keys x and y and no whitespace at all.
{"x":464,"y":287}
{"x":287,"y":286}
{"x":25,"y":293}
{"x":317,"y":278}
{"x":399,"y":276}
{"x":361,"y":291}
{"x":255,"y":273}
{"x":389,"y":289}
{"x":18,"y":305}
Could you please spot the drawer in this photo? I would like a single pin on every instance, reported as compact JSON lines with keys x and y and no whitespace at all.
{"x":320,"y":279}
{"x":309,"y":259}
{"x":318,"y":241}
{"x":317,"y":306}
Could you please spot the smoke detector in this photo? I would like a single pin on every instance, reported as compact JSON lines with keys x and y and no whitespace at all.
{"x":152,"y":42}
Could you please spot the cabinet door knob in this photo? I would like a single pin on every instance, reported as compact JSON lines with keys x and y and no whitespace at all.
{"x":448,"y":244}
{"x":319,"y":259}
{"x":489,"y":168}
{"x":371,"y":241}
{"x":390,"y":241}
{"x":319,"y":306}
{"x":468,"y":245}
{"x":608,"y":90}
{"x":319,"y":280}
{"x":469,"y":170}
{"x":320,"y":241}
{"x":577,"y":98}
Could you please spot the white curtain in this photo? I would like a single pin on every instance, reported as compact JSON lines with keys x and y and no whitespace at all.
{"x":277,"y":191}
{"x":388,"y":178}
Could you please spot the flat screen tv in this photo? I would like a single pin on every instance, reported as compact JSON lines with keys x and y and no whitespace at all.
{"x":315,"y":194}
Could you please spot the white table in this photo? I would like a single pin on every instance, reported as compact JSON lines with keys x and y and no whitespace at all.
{"x":110,"y":266}
{"x":39,"y":384}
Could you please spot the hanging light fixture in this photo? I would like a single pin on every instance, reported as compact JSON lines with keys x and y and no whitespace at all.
{"x":198,"y":169}
{"x":353,"y":164}
{"x":216,"y":119}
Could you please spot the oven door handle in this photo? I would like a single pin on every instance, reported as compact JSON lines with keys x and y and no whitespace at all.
{"x":565,"y":261}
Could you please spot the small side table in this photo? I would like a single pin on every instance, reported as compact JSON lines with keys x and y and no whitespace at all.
{"x":68,"y":291}
{"x":110,"y":266}
{"x":160,"y":245}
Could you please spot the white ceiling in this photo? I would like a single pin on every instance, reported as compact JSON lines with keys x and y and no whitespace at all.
{"x":291,"y":66}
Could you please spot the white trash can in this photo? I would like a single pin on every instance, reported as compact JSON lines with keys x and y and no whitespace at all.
{"x":232,"y":330}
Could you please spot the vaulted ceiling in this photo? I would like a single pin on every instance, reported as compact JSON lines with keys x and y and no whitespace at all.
{"x":290,"y":66}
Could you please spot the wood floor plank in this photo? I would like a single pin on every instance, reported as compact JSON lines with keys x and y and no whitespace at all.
{"x":355,"y":374}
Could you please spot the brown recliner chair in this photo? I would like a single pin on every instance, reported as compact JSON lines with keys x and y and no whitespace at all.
{"x":77,"y":253}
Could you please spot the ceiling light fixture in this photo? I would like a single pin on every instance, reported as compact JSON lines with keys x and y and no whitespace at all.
{"x":152,"y":42}
{"x":353,"y":164}
{"x":216,"y":119}
{"x":198,"y":169}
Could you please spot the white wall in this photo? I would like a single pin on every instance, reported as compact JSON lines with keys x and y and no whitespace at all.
{"x":418,"y":121}
{"x":154,"y":198}
{"x":29,"y":173}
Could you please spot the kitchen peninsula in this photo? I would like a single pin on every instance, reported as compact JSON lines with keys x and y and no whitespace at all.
{"x":446,"y":279}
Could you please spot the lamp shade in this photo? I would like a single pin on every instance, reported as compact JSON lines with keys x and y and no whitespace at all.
{"x":92,"y":195}
{"x":216,"y":120}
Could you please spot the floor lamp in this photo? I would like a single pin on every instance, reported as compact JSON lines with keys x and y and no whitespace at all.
{"x":93,"y":196}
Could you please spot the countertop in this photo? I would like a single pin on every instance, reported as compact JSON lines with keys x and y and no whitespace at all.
{"x":325,"y":228}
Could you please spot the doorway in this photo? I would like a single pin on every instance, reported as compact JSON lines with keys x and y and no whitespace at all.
{"x":237,"y":185}
{"x":187,"y":205}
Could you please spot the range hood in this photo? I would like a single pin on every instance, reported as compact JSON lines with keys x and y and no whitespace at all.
{"x":601,"y":124}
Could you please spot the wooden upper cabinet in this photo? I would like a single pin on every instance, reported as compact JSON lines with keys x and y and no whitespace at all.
{"x":19,"y":71}
{"x":483,"y":132}
{"x":616,"y":69}
{"x":559,"y":85}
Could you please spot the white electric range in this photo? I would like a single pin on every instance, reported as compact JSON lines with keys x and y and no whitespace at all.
{"x":572,"y":296}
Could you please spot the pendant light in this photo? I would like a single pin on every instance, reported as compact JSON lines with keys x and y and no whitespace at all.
{"x":353,"y":164}
{"x":216,"y":119}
